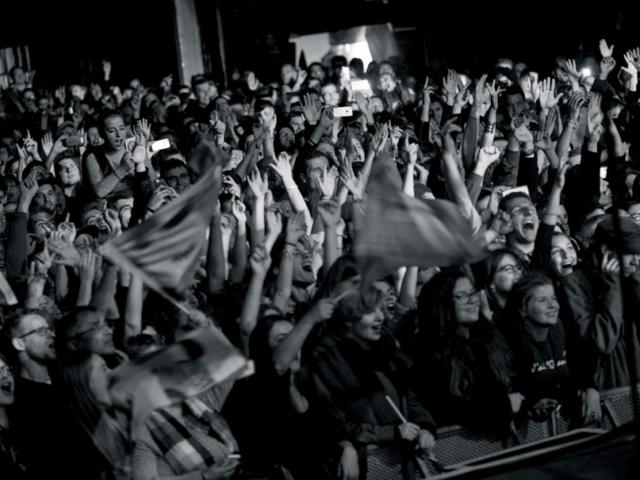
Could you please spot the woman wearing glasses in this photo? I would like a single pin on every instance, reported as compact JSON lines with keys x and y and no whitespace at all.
{"x":504,"y":268}
{"x":463,"y":371}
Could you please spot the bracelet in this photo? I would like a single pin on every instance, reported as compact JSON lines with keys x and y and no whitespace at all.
{"x":290,"y":244}
{"x":292,"y":187}
{"x":356,"y":200}
{"x":491,"y":128}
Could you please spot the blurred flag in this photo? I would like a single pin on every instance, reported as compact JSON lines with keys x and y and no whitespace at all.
{"x":398,"y":230}
{"x":165,"y":249}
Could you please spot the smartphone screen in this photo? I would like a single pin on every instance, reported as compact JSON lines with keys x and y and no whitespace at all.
{"x":160,"y":145}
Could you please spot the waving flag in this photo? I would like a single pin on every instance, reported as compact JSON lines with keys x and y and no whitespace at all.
{"x":165,"y":249}
{"x":398,"y":230}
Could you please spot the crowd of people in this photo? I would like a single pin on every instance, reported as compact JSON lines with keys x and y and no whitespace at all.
{"x":545,"y":170}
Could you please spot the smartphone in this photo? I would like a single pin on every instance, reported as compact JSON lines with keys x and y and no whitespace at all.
{"x":234,"y":456}
{"x":339,"y":112}
{"x":360,"y":86}
{"x":160,"y":145}
{"x":75,"y":141}
{"x":345,"y":72}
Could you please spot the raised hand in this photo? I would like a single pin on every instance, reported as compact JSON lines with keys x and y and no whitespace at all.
{"x":161,"y":196}
{"x":43,"y":261}
{"x":67,"y":230}
{"x":494,"y":93}
{"x":326,"y":117}
{"x":351,"y":182}
{"x":260,"y":261}
{"x":449,"y":83}
{"x":594,"y":114}
{"x":282,"y":166}
{"x":605,"y":50}
{"x":87,"y":266}
{"x":634,"y":55}
{"x":448,"y":144}
{"x":219,"y":127}
{"x":364,"y":104}
{"x":548,"y":99}
{"x":410,"y":150}
{"x":273,"y":219}
{"x":296,"y":228}
{"x":28,"y":191}
{"x":574,"y":75}
{"x":329,"y":211}
{"x":488,"y":155}
{"x":631,"y":67}
{"x":144,"y":128}
{"x":327,"y":182}
{"x":47,"y":143}
{"x":479,"y":94}
{"x":239,"y":211}
{"x":64,"y":252}
{"x":322,"y":310}
{"x":269,"y":120}
{"x":258,"y":184}
{"x":380,"y":138}
{"x":575,"y":104}
{"x":427,"y":90}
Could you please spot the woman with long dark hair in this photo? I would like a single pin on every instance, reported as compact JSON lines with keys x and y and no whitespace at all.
{"x":464,"y":369}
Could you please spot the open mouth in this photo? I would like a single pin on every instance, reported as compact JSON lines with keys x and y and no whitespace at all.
{"x":7,"y":388}
{"x":307,"y":267}
{"x":377,"y":329}
{"x":528,"y":226}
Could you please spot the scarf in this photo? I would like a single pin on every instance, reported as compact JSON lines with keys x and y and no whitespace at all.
{"x":182,"y":451}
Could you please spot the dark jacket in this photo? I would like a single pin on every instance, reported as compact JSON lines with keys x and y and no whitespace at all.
{"x":594,"y":310}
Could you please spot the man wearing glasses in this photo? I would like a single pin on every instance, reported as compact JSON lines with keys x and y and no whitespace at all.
{"x":37,"y":410}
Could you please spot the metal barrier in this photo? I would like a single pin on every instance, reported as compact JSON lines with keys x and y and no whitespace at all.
{"x":457,"y":444}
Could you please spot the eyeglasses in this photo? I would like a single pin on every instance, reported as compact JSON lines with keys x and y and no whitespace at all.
{"x":510,"y":269}
{"x":464,"y":297}
{"x":101,"y":325}
{"x":42,"y":331}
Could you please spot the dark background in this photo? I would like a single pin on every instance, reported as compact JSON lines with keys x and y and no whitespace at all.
{"x":68,"y":39}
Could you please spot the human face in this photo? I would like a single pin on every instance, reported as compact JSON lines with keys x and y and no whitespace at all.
{"x":287,"y":74}
{"x":43,"y":224}
{"x":68,"y":172}
{"x":542,"y":306}
{"x":303,"y":273}
{"x":19,"y":76}
{"x":115,"y":132}
{"x":508,"y":272}
{"x":563,"y":256}
{"x":386,"y":69}
{"x":389,"y":296}
{"x":4,"y":155}
{"x":387,"y":83}
{"x":7,"y":385}
{"x":369,"y":327}
{"x":466,"y":302}
{"x":286,"y":137}
{"x":99,"y":380}
{"x":525,"y":219}
{"x":316,"y":71}
{"x":46,"y":198}
{"x":92,"y":333}
{"x":330,"y":95}
{"x":92,"y":217}
{"x":515,"y":105}
{"x":634,"y":212}
{"x":37,"y":338}
{"x":279,"y":331}
{"x":178,"y":179}
{"x":202,"y":94}
{"x":297,"y":124}
{"x":435,"y":112}
{"x":315,"y":168}
{"x":563,"y":219}
{"x":84,"y":243}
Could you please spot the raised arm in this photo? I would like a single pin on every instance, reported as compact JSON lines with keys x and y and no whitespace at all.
{"x":260,"y":262}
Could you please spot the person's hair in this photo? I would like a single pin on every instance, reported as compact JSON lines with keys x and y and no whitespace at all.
{"x":358,"y":66}
{"x":65,"y":325}
{"x":171,"y":164}
{"x":102,"y":118}
{"x":344,"y":268}
{"x":75,"y":372}
{"x":437,"y":332}
{"x":515,"y":310}
{"x":105,"y":431}
{"x":506,"y":199}
{"x":198,"y":80}
{"x":338,"y":61}
{"x":94,"y":205}
{"x":350,"y":309}
{"x":494,"y":259}
{"x":259,"y":348}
